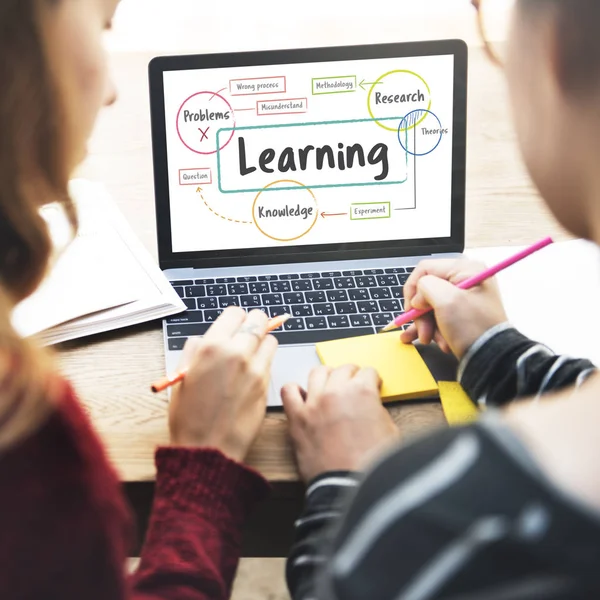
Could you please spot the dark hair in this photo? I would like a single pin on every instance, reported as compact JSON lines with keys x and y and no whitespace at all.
{"x":578,"y":22}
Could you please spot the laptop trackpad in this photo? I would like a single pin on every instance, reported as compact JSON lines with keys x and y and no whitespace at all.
{"x":292,"y":364}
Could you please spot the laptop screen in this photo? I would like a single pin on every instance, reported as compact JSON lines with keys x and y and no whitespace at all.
{"x":315,"y":154}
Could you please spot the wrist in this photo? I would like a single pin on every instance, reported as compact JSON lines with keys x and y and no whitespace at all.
{"x":235,"y":452}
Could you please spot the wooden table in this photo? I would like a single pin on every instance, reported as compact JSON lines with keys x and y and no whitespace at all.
{"x":112,"y":371}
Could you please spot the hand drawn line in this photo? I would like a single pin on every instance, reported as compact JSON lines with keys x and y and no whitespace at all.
{"x":214,"y":212}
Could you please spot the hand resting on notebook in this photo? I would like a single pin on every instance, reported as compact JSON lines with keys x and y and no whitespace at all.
{"x":339,"y":422}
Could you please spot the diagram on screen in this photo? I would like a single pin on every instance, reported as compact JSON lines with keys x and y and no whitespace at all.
{"x":292,"y":154}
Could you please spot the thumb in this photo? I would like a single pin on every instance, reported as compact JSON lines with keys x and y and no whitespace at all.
{"x":293,"y":400}
{"x":434,"y":292}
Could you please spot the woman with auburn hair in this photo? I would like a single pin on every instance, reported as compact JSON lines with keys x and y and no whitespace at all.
{"x":64,"y":527}
{"x":508,"y":508}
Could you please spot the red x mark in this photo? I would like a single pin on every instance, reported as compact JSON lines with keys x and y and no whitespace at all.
{"x":203,"y":132}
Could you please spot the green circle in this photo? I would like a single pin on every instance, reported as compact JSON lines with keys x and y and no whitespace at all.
{"x":378,"y":81}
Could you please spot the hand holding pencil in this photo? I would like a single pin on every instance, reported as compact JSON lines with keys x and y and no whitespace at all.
{"x":222,"y":400}
{"x":464,"y":300}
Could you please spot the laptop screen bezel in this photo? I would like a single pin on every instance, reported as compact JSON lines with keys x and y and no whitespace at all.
{"x":322,"y":252}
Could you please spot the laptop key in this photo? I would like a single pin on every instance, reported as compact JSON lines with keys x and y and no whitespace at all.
{"x":392,"y":305}
{"x":250,"y":301}
{"x":387,"y":280}
{"x":280,"y":286}
{"x":204,"y":281}
{"x":410,"y":269}
{"x":373,"y":271}
{"x":180,"y":292}
{"x":190,"y":316}
{"x":272,"y":299}
{"x":237,"y":289}
{"x":314,"y":297}
{"x":246,"y":279}
{"x":323,"y":284}
{"x":310,"y":275}
{"x":268,"y":278}
{"x":262,"y":287}
{"x":397,"y":292}
{"x":182,"y":282}
{"x":289,"y":276}
{"x":342,"y":283}
{"x":194,"y":291}
{"x":277,"y":311}
{"x":338,"y":321}
{"x":190,"y":303}
{"x":187,"y":330}
{"x":324,"y":309}
{"x":337,"y":296}
{"x":331,"y":274}
{"x":359,"y":294}
{"x":302,"y":285}
{"x":294,"y":298}
{"x":366,"y":281}
{"x":225,"y":301}
{"x":380,"y":293}
{"x":346,"y":308}
{"x":402,"y":279}
{"x":294,"y":325}
{"x":207,"y":303}
{"x":210,"y":316}
{"x":177,"y":343}
{"x":396,"y":270}
{"x":226,"y":280}
{"x":367,"y":307}
{"x":360,"y":321}
{"x":316,"y":323}
{"x":302,"y":310}
{"x":381,"y":319}
{"x":354,"y":273}
{"x":216,"y":290}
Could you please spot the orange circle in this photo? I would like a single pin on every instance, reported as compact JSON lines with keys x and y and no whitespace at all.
{"x":285,"y":239}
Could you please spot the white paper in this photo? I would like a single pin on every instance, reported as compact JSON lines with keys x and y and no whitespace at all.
{"x":105,"y":278}
{"x":553,"y":296}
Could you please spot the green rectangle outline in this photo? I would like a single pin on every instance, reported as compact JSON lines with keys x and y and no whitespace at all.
{"x":295,"y":187}
{"x":370,"y":218}
{"x":338,"y":77}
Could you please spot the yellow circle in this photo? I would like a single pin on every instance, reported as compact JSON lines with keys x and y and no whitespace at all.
{"x":285,"y":239}
{"x":379,"y":81}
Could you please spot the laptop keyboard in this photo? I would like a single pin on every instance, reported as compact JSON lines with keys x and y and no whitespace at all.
{"x":324,"y":306}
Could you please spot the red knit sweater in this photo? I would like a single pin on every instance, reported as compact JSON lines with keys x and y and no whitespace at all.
{"x":65,"y":529}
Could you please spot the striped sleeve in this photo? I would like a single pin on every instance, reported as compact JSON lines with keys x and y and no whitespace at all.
{"x":453,"y":516}
{"x":325,"y":496}
{"x":503,"y":365}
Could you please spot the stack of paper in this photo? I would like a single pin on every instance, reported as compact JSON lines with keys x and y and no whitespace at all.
{"x":105,"y":279}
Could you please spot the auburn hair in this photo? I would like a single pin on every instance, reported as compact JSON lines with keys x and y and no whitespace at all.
{"x":33,"y":172}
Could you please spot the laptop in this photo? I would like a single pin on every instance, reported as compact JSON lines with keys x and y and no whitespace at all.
{"x":307,"y":181}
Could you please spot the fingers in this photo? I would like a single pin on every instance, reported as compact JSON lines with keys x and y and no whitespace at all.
{"x":293,"y":402}
{"x":369,"y":376}
{"x":341,"y":375}
{"x":226,"y":325}
{"x":426,"y":329}
{"x":263,"y":358}
{"x":450,"y":270}
{"x":408,"y":336}
{"x":441,"y":342}
{"x":317,"y":380}
{"x":250,"y":334}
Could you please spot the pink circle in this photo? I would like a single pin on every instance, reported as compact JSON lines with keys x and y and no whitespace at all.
{"x":212,"y":95}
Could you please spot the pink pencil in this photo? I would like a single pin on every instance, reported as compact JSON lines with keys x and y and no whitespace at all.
{"x":413,"y":314}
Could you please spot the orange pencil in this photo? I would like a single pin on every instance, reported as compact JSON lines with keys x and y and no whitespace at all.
{"x":166,"y":382}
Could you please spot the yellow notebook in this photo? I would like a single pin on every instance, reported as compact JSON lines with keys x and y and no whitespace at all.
{"x":404,"y":374}
{"x":458,"y":408}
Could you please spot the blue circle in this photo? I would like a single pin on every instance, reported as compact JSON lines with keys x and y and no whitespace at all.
{"x":418,"y":114}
